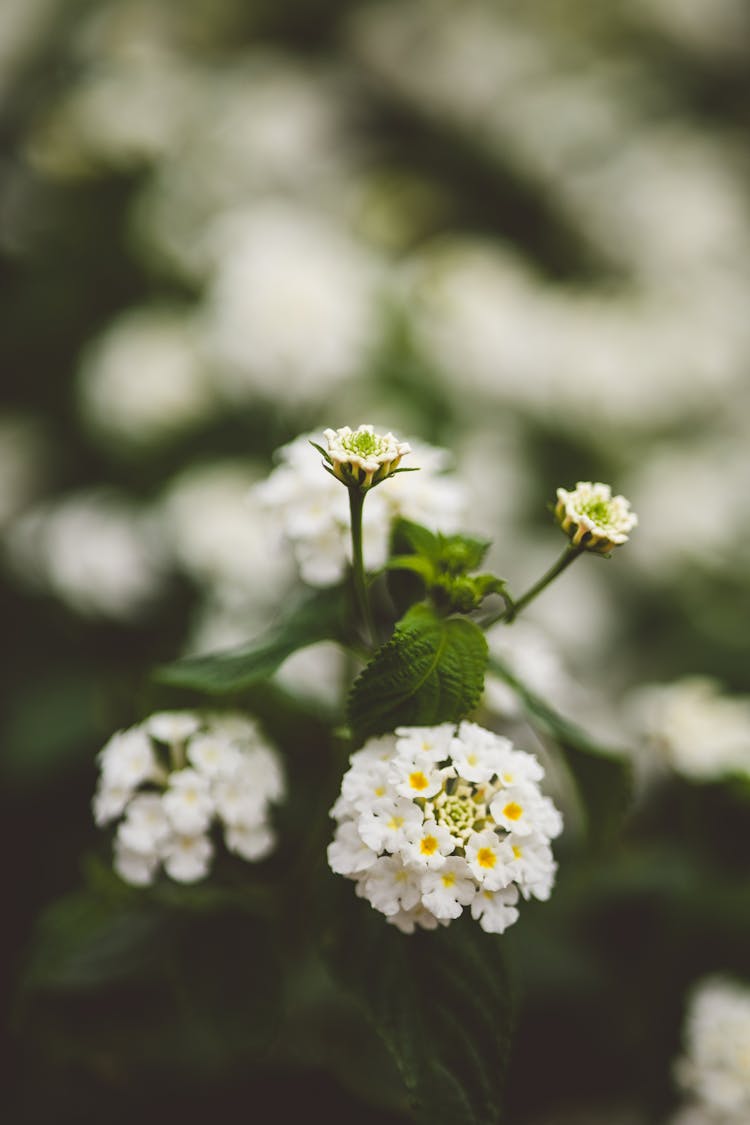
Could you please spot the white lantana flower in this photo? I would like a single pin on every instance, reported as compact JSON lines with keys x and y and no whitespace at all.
{"x":715,"y":1069}
{"x":433,"y":819}
{"x":94,"y":550}
{"x":593,"y":518}
{"x":143,"y":381}
{"x":692,"y":727}
{"x":176,"y":777}
{"x":313,"y":509}
{"x":292,"y":310}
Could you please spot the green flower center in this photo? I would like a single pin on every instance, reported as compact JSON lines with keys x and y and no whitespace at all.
{"x":597,"y":510}
{"x":364,"y":444}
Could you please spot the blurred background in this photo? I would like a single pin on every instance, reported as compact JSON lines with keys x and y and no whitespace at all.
{"x":520,"y":234}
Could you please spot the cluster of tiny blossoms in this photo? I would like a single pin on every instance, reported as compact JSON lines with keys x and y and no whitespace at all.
{"x":433,"y":819}
{"x":715,"y":1069}
{"x":175,"y":776}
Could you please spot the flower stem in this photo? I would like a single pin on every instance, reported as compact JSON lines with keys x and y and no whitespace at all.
{"x":511,"y":612}
{"x":361,"y":598}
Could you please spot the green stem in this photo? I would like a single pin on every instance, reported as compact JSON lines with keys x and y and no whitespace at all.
{"x":569,"y":555}
{"x":361,"y":598}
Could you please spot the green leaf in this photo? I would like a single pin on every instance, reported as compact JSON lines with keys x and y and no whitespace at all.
{"x":603,"y":777}
{"x":158,"y":989}
{"x":452,"y":554}
{"x":422,"y":541}
{"x":430,"y":671}
{"x":442,"y":1004}
{"x":322,"y":617}
{"x":85,"y":940}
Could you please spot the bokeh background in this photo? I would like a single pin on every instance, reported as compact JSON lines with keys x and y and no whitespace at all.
{"x":520,"y":233}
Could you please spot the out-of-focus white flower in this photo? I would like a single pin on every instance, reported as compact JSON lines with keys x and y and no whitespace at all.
{"x":422,"y":840}
{"x":187,"y":858}
{"x":188,"y":802}
{"x":721,"y":29}
{"x":146,"y":827}
{"x":530,"y":655}
{"x":144,"y":380}
{"x":692,"y":727}
{"x":694,"y":501}
{"x":267,"y":125}
{"x":313,"y":509}
{"x":123,"y":111}
{"x":137,"y":868}
{"x":224,"y":538}
{"x":172,"y":727}
{"x":128,"y":759}
{"x":171,"y":807}
{"x":593,"y":518}
{"x":715,"y":1069}
{"x":475,"y":311}
{"x":95,"y":551}
{"x":292,"y":310}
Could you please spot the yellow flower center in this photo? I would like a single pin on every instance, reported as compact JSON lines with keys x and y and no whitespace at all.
{"x":513,"y":811}
{"x":449,"y":879}
{"x":417,"y":780}
{"x":486,"y":857}
{"x":428,"y":845}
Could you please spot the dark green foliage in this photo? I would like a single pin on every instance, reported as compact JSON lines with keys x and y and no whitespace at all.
{"x":442,"y":1004}
{"x":322,"y":617}
{"x":442,"y":563}
{"x":430,"y":671}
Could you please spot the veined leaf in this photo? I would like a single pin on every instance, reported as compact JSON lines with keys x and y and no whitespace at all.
{"x":430,"y":671}
{"x":322,"y":617}
{"x":603,"y":777}
{"x":442,"y":1004}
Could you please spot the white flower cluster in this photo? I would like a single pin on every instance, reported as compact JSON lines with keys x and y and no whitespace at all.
{"x":692,"y":727}
{"x":314,"y":509}
{"x":433,"y":819}
{"x":715,"y":1069}
{"x":174,"y":776}
{"x":95,"y":550}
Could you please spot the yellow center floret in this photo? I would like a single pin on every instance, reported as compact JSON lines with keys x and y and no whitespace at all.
{"x":513,"y":811}
{"x":417,"y":780}
{"x":395,"y":822}
{"x":449,"y":879}
{"x":486,"y":857}
{"x":428,"y":845}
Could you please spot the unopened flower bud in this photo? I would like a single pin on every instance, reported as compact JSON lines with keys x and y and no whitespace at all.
{"x":593,"y":518}
{"x":361,"y":457}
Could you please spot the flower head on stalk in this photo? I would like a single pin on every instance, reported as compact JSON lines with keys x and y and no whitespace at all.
{"x":593,"y":518}
{"x":361,"y":458}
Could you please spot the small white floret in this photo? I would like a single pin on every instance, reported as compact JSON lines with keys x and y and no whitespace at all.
{"x":146,"y":827}
{"x":188,"y":802}
{"x":495,"y":910}
{"x":172,"y":727}
{"x":188,"y":858}
{"x":447,"y":891}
